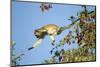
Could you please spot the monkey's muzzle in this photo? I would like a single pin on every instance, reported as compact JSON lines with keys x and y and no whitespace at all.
{"x":37,"y":36}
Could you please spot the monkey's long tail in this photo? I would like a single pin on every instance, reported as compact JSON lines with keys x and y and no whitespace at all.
{"x":73,"y":22}
{"x":67,"y":27}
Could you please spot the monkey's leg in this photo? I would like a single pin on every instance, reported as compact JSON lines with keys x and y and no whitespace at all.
{"x":36,"y":44}
{"x":52,"y":39}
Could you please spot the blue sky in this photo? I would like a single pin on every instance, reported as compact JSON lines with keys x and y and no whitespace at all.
{"x":27,"y":16}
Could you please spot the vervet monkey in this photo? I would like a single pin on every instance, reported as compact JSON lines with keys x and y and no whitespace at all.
{"x":50,"y":29}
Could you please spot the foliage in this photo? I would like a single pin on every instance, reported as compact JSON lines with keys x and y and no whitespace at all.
{"x":15,"y":58}
{"x":84,"y":31}
{"x":75,"y":55}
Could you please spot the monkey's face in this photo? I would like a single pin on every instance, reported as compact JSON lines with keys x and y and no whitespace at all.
{"x":39,"y":33}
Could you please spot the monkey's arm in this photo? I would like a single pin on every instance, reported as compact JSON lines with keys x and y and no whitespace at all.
{"x":36,"y":44}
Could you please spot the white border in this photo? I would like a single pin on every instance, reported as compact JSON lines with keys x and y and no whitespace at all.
{"x":89,"y":2}
{"x":4,"y":33}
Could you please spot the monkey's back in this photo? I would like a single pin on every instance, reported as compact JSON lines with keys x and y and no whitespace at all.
{"x":51,"y":28}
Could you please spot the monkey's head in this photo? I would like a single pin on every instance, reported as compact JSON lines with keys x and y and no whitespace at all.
{"x":40,"y":33}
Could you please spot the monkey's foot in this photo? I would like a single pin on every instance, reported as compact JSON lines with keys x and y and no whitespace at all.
{"x":53,"y":43}
{"x":30,"y":48}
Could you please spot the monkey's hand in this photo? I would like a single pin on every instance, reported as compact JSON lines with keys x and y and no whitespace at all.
{"x":30,"y":48}
{"x":36,"y":44}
